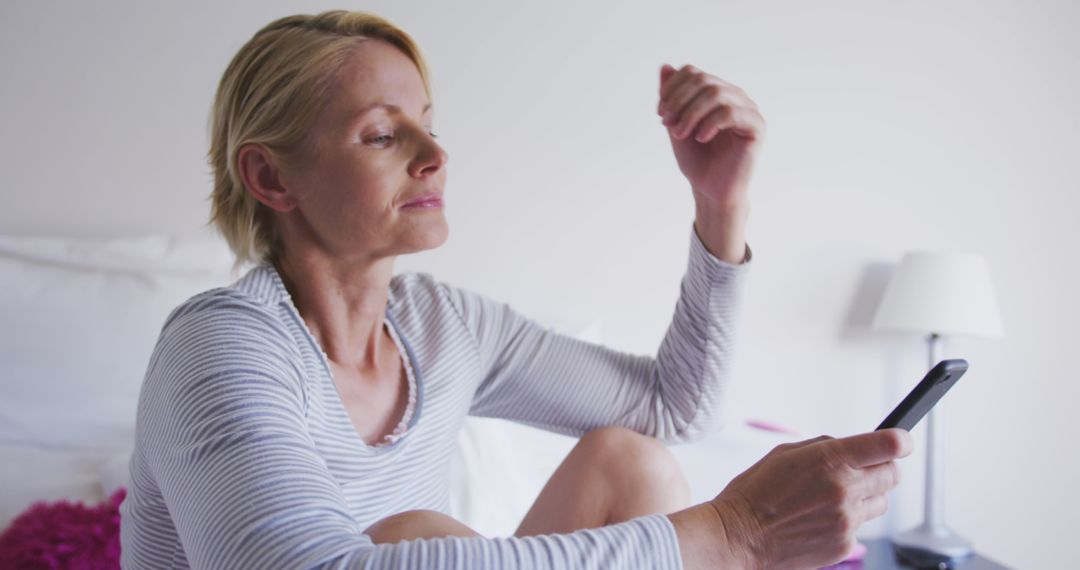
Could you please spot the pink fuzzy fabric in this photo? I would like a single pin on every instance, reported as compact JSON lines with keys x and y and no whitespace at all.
{"x":64,"y":535}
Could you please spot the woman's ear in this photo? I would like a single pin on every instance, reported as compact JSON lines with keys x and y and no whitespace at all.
{"x":262,"y":178}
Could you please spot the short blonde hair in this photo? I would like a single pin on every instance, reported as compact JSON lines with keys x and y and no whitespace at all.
{"x":270,"y":95}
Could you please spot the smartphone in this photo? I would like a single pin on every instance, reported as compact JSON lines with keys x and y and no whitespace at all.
{"x":927,"y":393}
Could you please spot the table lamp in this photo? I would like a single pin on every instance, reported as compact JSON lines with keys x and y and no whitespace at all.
{"x":938,"y":294}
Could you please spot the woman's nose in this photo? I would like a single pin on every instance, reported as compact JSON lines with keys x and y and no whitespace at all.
{"x":431,"y":157}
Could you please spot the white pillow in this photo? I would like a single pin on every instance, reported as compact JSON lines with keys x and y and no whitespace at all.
{"x":30,"y":474}
{"x":498,"y":471}
{"x":713,"y":461}
{"x":114,"y":471}
{"x":80,"y":320}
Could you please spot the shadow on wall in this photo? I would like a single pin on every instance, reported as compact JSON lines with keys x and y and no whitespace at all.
{"x":859,"y":317}
{"x":898,"y":350}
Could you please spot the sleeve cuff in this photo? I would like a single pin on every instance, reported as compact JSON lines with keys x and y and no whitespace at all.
{"x":700,"y":252}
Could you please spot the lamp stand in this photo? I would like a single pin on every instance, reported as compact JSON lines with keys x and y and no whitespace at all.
{"x":932,"y":537}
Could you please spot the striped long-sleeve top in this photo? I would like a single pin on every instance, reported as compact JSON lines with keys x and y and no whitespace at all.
{"x":245,"y":456}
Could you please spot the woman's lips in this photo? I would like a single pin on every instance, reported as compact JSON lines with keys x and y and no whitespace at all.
{"x":432,"y":203}
{"x":425,"y":201}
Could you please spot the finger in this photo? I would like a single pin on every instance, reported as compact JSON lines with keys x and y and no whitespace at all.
{"x":672,"y":78}
{"x":785,"y":448}
{"x":681,"y":94}
{"x":666,"y":71}
{"x":876,"y":480}
{"x":705,"y":101}
{"x":675,"y":83}
{"x":811,"y":440}
{"x":746,"y":123}
{"x":703,"y":115}
{"x":876,"y":447}
{"x":711,"y":125}
{"x":675,"y":96}
{"x":686,"y":119}
{"x":805,"y":442}
{"x":872,"y":507}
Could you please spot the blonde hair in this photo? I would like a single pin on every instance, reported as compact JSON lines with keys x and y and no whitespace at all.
{"x":269,"y":95}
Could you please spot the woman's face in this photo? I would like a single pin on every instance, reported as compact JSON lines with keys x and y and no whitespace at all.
{"x":371,"y":153}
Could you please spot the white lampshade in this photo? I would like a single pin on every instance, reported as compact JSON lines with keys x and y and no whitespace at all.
{"x":943,"y":293}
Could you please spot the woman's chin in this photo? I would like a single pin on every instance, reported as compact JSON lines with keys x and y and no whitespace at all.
{"x":431,"y":237}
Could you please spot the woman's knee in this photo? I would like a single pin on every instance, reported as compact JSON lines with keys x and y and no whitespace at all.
{"x":411,"y":525}
{"x":640,"y":459}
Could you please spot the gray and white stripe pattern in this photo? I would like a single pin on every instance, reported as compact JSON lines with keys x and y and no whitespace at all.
{"x":246,"y":458}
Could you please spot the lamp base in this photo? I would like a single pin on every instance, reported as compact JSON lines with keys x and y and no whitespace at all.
{"x":931,"y":547}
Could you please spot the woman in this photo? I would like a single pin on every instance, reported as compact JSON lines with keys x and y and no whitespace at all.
{"x":303,"y":417}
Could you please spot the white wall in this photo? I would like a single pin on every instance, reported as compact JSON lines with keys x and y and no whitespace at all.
{"x":892,"y":126}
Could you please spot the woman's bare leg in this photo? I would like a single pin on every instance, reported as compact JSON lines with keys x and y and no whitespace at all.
{"x":411,"y":525}
{"x":612,"y":475}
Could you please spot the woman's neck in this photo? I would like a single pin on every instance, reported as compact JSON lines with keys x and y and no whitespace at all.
{"x":343,"y":305}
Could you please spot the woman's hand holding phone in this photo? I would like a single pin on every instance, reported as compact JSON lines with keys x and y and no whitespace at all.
{"x":800,"y":505}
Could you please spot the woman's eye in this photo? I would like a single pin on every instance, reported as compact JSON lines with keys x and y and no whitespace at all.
{"x":385,"y":139}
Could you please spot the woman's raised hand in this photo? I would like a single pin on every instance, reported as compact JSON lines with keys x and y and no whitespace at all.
{"x":798,"y":507}
{"x":715,"y":130}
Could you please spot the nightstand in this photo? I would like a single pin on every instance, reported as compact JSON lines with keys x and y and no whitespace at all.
{"x":880,"y":556}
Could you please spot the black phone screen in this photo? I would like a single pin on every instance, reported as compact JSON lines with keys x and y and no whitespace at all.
{"x":927,"y":393}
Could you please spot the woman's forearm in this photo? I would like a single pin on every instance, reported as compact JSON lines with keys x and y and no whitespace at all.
{"x":722,"y":229}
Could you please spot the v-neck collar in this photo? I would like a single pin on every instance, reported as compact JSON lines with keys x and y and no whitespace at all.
{"x":265,"y":284}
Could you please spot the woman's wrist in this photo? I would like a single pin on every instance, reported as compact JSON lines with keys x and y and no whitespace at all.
{"x":722,"y":229}
{"x":705,"y":541}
